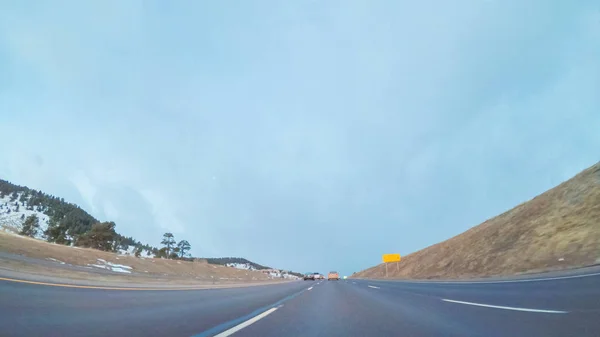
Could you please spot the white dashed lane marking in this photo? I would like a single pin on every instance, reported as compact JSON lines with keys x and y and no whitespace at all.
{"x":507,"y":308}
{"x":246,"y":323}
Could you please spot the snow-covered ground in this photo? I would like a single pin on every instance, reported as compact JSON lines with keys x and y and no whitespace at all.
{"x":119,"y":268}
{"x":290,"y":276}
{"x":243,"y":266}
{"x":272,"y":273}
{"x":13,"y":216}
{"x":55,"y":260}
{"x":130,"y":251}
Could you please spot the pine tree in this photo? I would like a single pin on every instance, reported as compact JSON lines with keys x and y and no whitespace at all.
{"x":138,"y":251}
{"x":160,"y":253}
{"x":101,"y":236}
{"x":168,"y":241}
{"x":175,"y":253}
{"x":56,"y":233}
{"x":184,"y":246}
{"x":31,"y":226}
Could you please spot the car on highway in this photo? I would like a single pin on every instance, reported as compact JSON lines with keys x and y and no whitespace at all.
{"x":333,"y":275}
{"x":309,"y":277}
{"x":318,"y":276}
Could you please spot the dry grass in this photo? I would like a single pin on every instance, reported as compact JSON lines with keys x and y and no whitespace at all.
{"x":149,"y":267}
{"x":562,"y":223}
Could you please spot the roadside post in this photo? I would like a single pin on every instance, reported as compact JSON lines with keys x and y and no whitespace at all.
{"x":389,"y":258}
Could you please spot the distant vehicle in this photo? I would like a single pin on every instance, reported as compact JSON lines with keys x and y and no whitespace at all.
{"x":333,"y":275}
{"x":318,"y":276}
{"x":309,"y":277}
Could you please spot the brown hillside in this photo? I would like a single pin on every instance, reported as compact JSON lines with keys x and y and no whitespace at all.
{"x":557,"y":229}
{"x":143,"y":270}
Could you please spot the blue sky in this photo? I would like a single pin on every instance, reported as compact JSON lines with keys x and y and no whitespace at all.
{"x":306,"y":135}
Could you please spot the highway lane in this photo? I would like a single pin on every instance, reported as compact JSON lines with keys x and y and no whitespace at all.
{"x":37,"y":310}
{"x":567,"y":307}
{"x":560,"y":307}
{"x":572,"y":294}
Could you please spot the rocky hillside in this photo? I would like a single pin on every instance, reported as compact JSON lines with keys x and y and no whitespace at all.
{"x":557,"y":229}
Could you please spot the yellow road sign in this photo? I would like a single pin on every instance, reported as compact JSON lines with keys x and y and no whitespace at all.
{"x":391,"y":258}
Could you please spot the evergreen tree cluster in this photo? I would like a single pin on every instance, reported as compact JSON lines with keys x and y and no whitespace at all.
{"x":101,"y":236}
{"x":68,"y":224}
{"x":300,"y":275}
{"x":31,"y":226}
{"x":173,"y":249}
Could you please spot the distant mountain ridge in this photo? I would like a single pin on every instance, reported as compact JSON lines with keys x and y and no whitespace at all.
{"x":241,"y":263}
{"x":224,"y":261}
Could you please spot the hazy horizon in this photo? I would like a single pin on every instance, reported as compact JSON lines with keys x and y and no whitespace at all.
{"x":306,"y":136}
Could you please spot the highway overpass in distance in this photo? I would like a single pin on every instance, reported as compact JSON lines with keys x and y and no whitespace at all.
{"x":567,"y":305}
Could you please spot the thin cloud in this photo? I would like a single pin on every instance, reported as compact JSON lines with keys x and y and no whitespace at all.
{"x":362,"y":126}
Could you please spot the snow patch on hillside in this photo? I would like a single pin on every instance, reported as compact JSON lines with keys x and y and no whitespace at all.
{"x":129,"y":251}
{"x":55,"y":260}
{"x":13,"y":215}
{"x":282,"y":274}
{"x":271,"y":273}
{"x":119,"y":268}
{"x":243,"y":266}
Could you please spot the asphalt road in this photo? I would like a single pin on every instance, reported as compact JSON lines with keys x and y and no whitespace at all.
{"x":555,"y":307}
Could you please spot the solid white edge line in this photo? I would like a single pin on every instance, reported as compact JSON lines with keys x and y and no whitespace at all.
{"x":506,"y":308}
{"x":493,"y":282}
{"x":374,"y":287}
{"x":511,"y":281}
{"x":538,"y":279}
{"x":245,"y":324}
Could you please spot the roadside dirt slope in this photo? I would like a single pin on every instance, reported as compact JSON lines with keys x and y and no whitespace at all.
{"x":143,"y":268}
{"x":557,"y":229}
